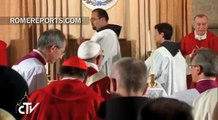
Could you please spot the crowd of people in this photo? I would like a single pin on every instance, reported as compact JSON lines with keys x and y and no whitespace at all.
{"x":99,"y":84}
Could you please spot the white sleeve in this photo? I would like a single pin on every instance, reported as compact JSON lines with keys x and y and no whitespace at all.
{"x":37,"y":78}
{"x":109,"y":43}
{"x":160,"y":66}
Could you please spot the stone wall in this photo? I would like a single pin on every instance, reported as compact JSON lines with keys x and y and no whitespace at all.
{"x":210,"y":8}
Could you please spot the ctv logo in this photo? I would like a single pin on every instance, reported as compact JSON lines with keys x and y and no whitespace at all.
{"x":26,"y":108}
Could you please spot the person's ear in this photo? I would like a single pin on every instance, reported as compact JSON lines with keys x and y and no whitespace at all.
{"x":162,"y":34}
{"x":193,"y":26}
{"x":113,"y":85}
{"x":98,"y":58}
{"x":52,"y":48}
{"x":145,"y":90}
{"x":199,"y":69}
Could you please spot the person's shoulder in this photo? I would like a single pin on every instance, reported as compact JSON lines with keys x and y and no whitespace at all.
{"x":108,"y":32}
{"x":46,"y":91}
{"x":36,"y":68}
{"x":103,"y":82}
{"x":105,"y":79}
{"x":161,"y":51}
{"x":185,"y":93}
{"x":37,"y":95}
{"x":27,"y":67}
{"x":209,"y":92}
{"x":93,"y":98}
{"x":187,"y":96}
{"x":93,"y":95}
{"x":210,"y":33}
{"x":91,"y":70}
{"x":30,"y":62}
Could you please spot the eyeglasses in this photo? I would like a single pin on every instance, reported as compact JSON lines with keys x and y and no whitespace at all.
{"x":93,"y":19}
{"x":62,"y":52}
{"x":191,"y":66}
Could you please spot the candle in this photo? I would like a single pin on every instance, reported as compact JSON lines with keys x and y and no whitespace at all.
{"x":149,"y":40}
{"x":152,"y":62}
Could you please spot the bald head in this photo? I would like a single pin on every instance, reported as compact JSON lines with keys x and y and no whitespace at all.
{"x":130,"y":75}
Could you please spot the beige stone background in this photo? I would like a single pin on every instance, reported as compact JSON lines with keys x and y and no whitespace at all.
{"x":210,"y":8}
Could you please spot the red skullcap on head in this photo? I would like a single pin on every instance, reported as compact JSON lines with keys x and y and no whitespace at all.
{"x":75,"y":62}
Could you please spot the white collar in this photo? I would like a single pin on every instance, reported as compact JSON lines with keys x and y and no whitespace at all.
{"x":200,"y":37}
{"x":35,"y":50}
{"x":67,"y":78}
{"x":89,"y":64}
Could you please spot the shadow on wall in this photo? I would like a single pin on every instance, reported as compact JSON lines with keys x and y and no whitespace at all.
{"x":16,"y":50}
{"x":214,"y":30}
{"x":199,"y":6}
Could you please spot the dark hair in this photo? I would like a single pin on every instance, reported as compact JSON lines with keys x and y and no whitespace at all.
{"x":207,"y":60}
{"x":101,"y":13}
{"x":51,"y":37}
{"x":66,"y":71}
{"x":166,"y":109}
{"x":166,"y":29}
{"x":13,"y":88}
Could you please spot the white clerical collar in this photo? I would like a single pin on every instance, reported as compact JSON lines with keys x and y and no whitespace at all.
{"x":35,"y":50}
{"x":200,"y":37}
{"x":92,"y":65}
{"x":68,"y":78}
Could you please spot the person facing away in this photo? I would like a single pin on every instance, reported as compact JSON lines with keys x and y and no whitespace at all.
{"x":167,"y":63}
{"x":106,"y":37}
{"x":128,"y":87}
{"x":207,"y":86}
{"x":128,"y":77}
{"x":68,"y":98}
{"x":92,"y":54}
{"x":50,"y":47}
{"x":204,"y":105}
{"x":204,"y":69}
{"x":4,"y":115}
{"x":200,"y":37}
{"x":12,"y":90}
{"x":166,"y":109}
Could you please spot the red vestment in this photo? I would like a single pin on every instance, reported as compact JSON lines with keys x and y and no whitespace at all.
{"x":3,"y":53}
{"x":99,"y":84}
{"x":189,"y":43}
{"x":64,"y":100}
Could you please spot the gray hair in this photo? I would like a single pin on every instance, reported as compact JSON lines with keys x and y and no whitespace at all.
{"x":208,"y":61}
{"x":131,"y":73}
{"x":51,"y":37}
{"x":200,"y":16}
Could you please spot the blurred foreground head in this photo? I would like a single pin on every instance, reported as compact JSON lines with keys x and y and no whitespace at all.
{"x":129,"y":77}
{"x":12,"y":90}
{"x":166,"y":109}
